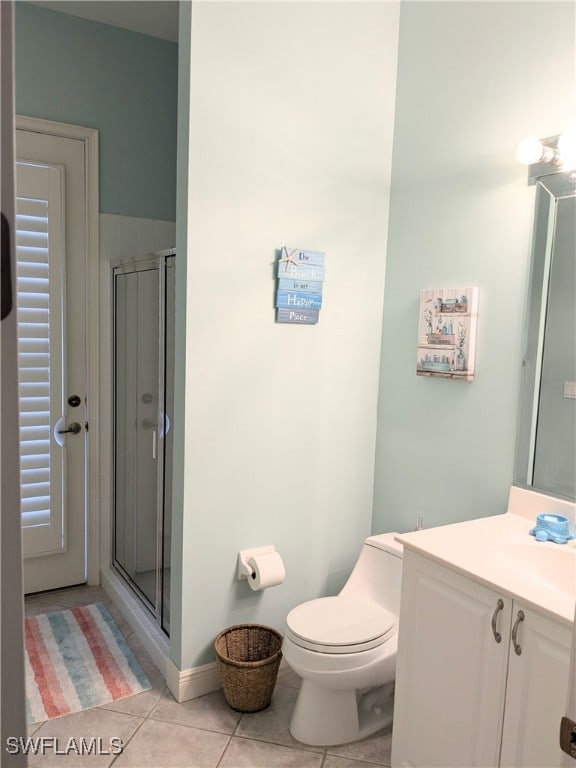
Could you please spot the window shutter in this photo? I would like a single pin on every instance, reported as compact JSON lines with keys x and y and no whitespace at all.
{"x":33,"y":290}
{"x":40,"y":307}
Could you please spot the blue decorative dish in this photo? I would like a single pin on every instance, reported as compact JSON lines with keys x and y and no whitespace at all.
{"x":550,"y":527}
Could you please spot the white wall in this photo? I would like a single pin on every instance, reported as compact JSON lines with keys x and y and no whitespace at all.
{"x":474,"y":78}
{"x":290,"y":131}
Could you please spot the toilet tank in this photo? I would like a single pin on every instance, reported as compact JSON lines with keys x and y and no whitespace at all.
{"x":378,"y":572}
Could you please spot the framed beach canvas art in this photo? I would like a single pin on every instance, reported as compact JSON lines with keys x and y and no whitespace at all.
{"x":447,"y":333}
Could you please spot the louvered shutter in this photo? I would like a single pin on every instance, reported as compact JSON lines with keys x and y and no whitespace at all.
{"x":40,"y":294}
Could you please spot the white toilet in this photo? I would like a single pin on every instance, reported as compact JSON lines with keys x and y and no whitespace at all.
{"x":344,"y":648}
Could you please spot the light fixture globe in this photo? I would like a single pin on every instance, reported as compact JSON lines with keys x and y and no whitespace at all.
{"x":567,"y":149}
{"x":529,"y":151}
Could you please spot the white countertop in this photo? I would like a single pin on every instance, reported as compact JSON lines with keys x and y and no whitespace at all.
{"x":500,"y":552}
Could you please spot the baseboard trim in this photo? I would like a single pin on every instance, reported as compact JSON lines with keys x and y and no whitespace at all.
{"x":148,"y":632}
{"x":185,"y":684}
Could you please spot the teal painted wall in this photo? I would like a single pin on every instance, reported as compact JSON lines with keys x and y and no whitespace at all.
{"x":123,"y":83}
{"x":287,"y":140}
{"x":473,"y":79}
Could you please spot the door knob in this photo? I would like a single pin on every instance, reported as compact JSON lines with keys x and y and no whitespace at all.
{"x":73,"y":429}
{"x":74,"y":401}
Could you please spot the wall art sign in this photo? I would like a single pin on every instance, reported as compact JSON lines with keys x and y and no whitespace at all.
{"x":299,"y":286}
{"x":307,"y":316}
{"x":447,"y":333}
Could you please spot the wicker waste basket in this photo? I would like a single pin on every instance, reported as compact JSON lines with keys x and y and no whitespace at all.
{"x":248,"y":660}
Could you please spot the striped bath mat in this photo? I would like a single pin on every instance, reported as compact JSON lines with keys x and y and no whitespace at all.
{"x":77,"y":659}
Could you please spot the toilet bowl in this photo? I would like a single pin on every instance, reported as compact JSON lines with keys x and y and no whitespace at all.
{"x":344,"y":649}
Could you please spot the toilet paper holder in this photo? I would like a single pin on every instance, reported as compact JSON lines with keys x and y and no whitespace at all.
{"x":245,"y":571}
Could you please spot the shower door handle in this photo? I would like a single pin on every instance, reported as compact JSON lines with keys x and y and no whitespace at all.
{"x":154,"y":444}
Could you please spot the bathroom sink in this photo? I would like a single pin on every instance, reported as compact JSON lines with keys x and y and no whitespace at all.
{"x":499,"y":551}
{"x":552,"y":565}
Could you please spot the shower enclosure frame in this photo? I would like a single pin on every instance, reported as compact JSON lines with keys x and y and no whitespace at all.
{"x":159,"y":262}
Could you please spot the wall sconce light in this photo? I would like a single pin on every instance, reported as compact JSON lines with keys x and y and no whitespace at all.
{"x":567,"y":149}
{"x":560,"y":152}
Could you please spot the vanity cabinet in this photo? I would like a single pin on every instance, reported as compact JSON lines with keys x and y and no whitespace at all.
{"x":464,"y":695}
{"x":536,"y":691}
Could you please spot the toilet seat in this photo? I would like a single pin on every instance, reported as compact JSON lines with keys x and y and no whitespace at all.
{"x":340,"y":624}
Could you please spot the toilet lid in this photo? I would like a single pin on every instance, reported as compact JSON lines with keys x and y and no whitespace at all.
{"x":340,"y":624}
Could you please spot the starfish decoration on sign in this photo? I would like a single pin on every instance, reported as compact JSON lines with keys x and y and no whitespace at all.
{"x":289,"y":257}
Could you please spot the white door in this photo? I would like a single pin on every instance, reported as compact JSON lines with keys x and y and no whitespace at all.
{"x":51,"y":286}
{"x":536,"y":691}
{"x":569,"y":754}
{"x":448,"y":637}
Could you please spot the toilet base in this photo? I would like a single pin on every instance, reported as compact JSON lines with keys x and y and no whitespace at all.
{"x":327,"y":717}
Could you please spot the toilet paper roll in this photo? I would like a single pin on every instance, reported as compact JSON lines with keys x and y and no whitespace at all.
{"x":267,"y":571}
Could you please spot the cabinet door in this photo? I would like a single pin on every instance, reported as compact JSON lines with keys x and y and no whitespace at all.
{"x":451,"y":672}
{"x":536,"y":692}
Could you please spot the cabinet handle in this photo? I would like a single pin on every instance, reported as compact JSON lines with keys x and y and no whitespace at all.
{"x":499,"y":607}
{"x":515,"y":643}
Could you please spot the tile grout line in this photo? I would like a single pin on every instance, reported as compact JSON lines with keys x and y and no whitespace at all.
{"x":224,"y":751}
{"x":124,"y":745}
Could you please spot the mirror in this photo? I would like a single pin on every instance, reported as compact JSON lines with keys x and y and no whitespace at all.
{"x":546,"y":441}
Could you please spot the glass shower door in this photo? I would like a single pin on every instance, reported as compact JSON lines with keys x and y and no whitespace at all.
{"x":169,"y":332}
{"x":141,"y":427}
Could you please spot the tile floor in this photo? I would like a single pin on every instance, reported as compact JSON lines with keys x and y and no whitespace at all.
{"x":157,"y":732}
